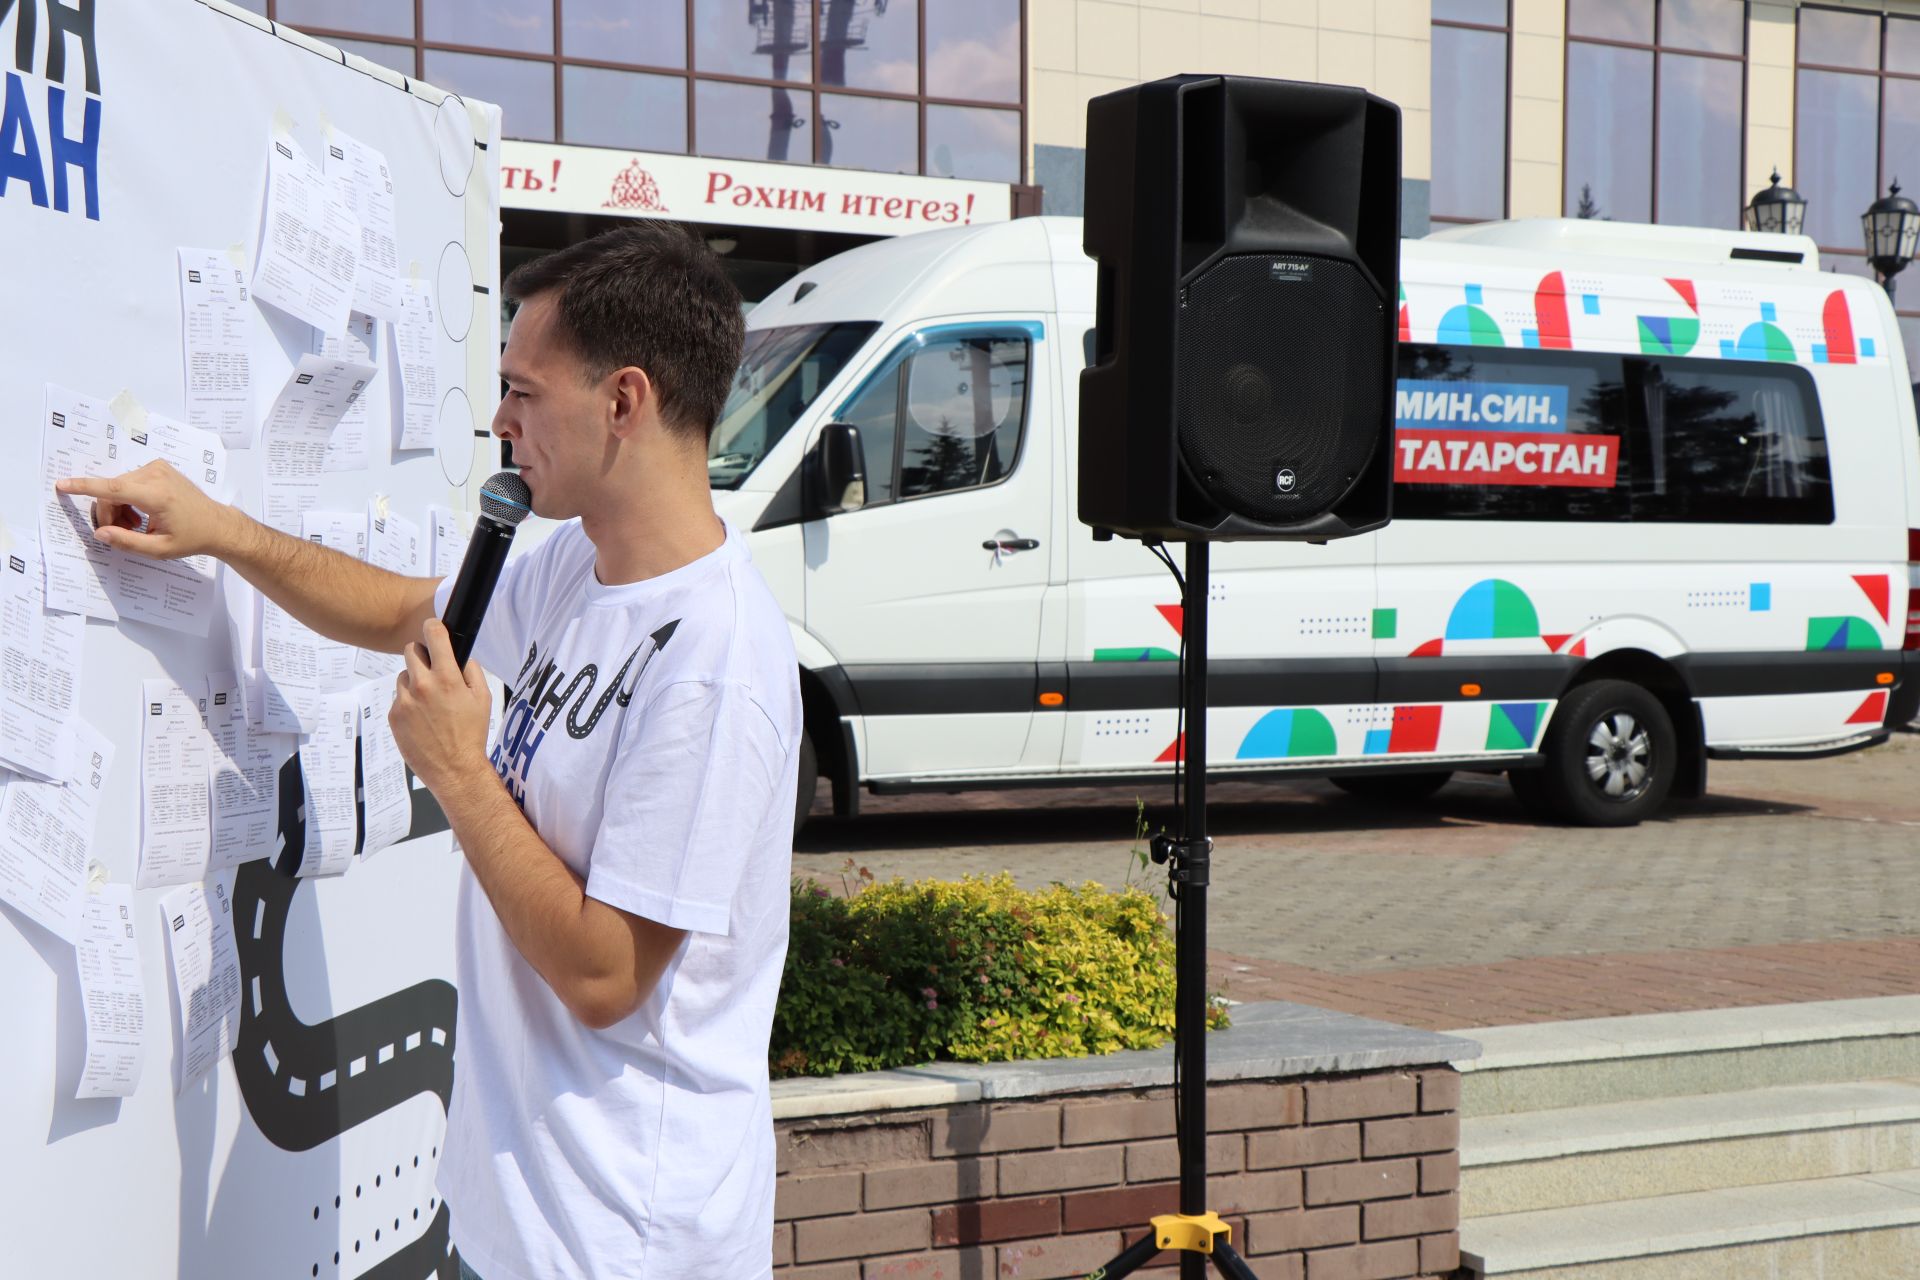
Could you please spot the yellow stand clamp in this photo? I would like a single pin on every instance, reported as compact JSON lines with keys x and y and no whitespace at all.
{"x":1192,"y":1232}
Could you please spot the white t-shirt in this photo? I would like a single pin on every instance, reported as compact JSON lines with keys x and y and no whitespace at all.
{"x":652,"y":739}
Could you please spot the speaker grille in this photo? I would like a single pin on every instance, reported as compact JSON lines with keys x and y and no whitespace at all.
{"x":1279,"y":404}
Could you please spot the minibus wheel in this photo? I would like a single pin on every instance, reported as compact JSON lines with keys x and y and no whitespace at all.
{"x":808,"y":781}
{"x":1391,"y":788}
{"x":1611,"y":752}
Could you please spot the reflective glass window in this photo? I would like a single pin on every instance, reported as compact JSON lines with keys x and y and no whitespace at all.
{"x":869,"y":45}
{"x":395,"y":57}
{"x":651,"y":33}
{"x":1910,"y":338}
{"x":624,"y":109}
{"x":1899,"y":136}
{"x":1612,"y":19}
{"x":961,"y":413}
{"x":753,"y":122}
{"x":876,"y":411}
{"x":1726,"y":442}
{"x":973,"y":49}
{"x":1711,"y":26}
{"x":971,"y":142}
{"x":524,"y":89}
{"x":1837,"y":124}
{"x":368,"y":17}
{"x":782,"y":372}
{"x":1488,"y":13}
{"x":1903,"y":45}
{"x":1835,"y":39}
{"x":869,"y":133}
{"x":1700,"y":134}
{"x":522,"y":26}
{"x":1469,"y":123}
{"x":1609,"y":132}
{"x":764,"y":39}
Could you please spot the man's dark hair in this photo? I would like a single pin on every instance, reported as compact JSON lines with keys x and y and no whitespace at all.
{"x":654,"y":296}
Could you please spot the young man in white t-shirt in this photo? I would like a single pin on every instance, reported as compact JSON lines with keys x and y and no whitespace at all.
{"x":622,"y":920}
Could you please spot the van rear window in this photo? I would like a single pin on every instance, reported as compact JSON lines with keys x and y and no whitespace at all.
{"x":1507,"y":434}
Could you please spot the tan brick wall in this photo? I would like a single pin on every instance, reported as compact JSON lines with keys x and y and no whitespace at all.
{"x":1079,"y":49}
{"x":1349,"y":1178}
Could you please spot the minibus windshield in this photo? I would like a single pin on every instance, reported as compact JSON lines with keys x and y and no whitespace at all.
{"x":782,"y":372}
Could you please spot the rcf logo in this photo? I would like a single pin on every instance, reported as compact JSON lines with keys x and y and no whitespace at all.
{"x":1284,"y":480}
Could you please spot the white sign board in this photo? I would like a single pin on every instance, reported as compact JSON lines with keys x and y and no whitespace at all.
{"x":242,"y":1071}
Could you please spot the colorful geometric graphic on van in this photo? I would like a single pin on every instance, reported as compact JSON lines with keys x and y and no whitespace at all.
{"x":1879,"y":590}
{"x":1174,"y":617}
{"x":1493,"y":609}
{"x":1764,"y":339}
{"x":1511,"y":726}
{"x":1290,"y":731}
{"x":1841,"y":633}
{"x":1406,"y":321}
{"x":1872,"y":711}
{"x":1837,"y":322}
{"x":1551,"y":330}
{"x":1137,"y":653}
{"x":1672,"y":335}
{"x":1470,"y":324}
{"x":1415,"y":729}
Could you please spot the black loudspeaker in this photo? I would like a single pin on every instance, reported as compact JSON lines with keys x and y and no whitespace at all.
{"x":1248,"y":240}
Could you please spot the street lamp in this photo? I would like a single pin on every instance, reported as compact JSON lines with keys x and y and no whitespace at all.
{"x":1892,"y":228}
{"x":1778,"y":209}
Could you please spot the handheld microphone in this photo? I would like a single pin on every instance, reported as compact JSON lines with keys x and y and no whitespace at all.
{"x":505,"y":501}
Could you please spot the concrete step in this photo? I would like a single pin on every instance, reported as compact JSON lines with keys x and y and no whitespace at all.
{"x":1549,"y":1066}
{"x":1670,"y":1146}
{"x":1864,"y":1226}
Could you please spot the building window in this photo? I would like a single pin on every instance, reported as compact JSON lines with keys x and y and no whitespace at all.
{"x":1472,"y":41}
{"x":1856,"y":100}
{"x":895,"y":86}
{"x":1656,"y":110}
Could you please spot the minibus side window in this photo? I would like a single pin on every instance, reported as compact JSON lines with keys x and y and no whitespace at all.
{"x":1497,"y":433}
{"x":1732,"y":442}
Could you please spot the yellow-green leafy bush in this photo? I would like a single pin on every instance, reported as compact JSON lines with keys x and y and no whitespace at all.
{"x":976,"y":970}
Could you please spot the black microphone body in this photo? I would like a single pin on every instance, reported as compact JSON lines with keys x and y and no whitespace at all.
{"x":505,"y":502}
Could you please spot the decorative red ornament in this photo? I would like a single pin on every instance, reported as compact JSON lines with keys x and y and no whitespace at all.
{"x":635,"y":190}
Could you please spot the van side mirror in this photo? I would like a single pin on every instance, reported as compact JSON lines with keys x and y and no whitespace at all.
{"x":840,"y":469}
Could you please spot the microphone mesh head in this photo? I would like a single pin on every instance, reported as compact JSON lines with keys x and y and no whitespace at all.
{"x":506,"y":498}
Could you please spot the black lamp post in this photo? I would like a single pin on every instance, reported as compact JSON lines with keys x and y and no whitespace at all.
{"x":1892,"y":228}
{"x":1778,"y":209}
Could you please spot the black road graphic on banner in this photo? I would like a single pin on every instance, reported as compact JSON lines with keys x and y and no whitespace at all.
{"x":305,"y":1085}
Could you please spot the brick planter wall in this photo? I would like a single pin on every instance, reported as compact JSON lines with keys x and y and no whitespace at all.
{"x":1338,"y":1177}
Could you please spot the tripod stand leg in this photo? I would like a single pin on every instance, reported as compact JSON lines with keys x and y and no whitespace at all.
{"x":1229,"y":1263}
{"x":1131,"y":1259}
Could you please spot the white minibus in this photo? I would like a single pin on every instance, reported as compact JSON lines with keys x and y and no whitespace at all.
{"x":1654,"y":495}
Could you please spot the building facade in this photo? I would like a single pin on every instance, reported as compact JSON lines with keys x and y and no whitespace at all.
{"x":792,"y":129}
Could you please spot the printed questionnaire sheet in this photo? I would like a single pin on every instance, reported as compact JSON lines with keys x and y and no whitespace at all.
{"x":198,"y":921}
{"x":393,"y":544}
{"x":39,"y":669}
{"x":296,"y":432}
{"x":366,"y":419}
{"x":389,"y":805}
{"x":360,"y":180}
{"x":416,"y":341}
{"x":299,"y":665}
{"x":81,"y":436}
{"x":176,"y":774}
{"x":46,"y":835}
{"x":108,"y":957}
{"x":326,"y":767}
{"x":311,"y":243}
{"x":216,"y":321}
{"x":246,"y":776}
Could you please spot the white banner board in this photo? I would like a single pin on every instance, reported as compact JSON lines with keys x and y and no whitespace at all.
{"x":217,"y":1067}
{"x":567,"y":179}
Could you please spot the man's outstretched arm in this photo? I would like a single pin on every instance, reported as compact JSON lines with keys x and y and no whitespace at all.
{"x":342,"y":598}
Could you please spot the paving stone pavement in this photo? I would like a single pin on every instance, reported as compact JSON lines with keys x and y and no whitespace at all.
{"x":1790,"y":881}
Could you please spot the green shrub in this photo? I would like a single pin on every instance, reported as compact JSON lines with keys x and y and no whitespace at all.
{"x":977,"y":970}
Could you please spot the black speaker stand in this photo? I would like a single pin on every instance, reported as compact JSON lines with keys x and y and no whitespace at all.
{"x":1197,"y":1233}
